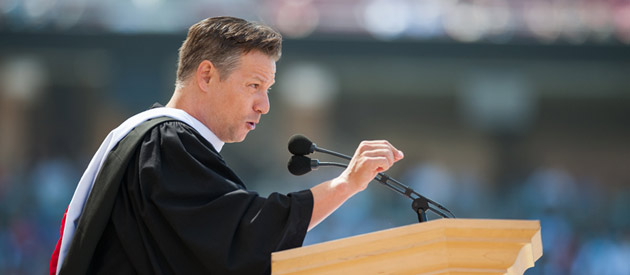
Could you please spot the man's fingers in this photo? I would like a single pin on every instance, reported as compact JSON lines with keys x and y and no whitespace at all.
{"x":380,"y":144}
{"x":370,"y":158}
{"x":377,"y":164}
{"x":377,"y":153}
{"x":398,"y":155}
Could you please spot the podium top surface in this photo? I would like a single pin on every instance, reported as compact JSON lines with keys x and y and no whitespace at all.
{"x":444,"y":246}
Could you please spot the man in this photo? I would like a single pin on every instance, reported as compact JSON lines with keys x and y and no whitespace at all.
{"x":176,"y":207}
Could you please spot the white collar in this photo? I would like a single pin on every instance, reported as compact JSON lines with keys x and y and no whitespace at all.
{"x":201,"y":128}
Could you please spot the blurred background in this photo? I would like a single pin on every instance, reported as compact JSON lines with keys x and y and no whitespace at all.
{"x":504,"y":109}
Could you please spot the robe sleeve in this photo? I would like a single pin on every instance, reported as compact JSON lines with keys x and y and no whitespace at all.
{"x":191,"y":214}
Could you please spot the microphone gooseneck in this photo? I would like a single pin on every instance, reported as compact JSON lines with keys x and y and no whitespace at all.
{"x":325,"y":151}
{"x":301,"y":145}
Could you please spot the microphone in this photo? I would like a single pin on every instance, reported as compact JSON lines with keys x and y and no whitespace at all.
{"x":301,"y":145}
{"x":300,"y":165}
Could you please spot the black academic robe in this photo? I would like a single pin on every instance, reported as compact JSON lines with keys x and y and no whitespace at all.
{"x":181,"y":210}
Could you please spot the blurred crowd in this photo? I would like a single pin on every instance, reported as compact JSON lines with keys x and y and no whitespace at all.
{"x":575,"y":21}
{"x":585,"y":229}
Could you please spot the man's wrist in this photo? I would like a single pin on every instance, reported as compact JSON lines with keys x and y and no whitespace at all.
{"x":342,"y":186}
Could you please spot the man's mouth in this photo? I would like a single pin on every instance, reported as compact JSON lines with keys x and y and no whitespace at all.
{"x":251,"y":125}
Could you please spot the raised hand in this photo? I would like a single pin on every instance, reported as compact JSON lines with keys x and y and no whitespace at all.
{"x":370,"y":158}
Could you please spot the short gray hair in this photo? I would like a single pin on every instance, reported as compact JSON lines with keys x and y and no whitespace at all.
{"x":222,"y":41}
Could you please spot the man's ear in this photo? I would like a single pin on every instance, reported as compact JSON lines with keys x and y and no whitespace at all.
{"x":206,"y":71}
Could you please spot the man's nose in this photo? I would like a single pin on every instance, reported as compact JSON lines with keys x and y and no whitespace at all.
{"x":262,"y":105}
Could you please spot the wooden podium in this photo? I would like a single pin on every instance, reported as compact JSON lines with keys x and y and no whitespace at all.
{"x":445,"y":246}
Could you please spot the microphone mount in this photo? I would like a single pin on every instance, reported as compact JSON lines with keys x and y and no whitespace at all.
{"x":333,"y":153}
{"x":420,"y":204}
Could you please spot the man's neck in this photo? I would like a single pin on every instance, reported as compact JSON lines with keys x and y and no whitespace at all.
{"x":186,"y":99}
{"x":176,"y":100}
{"x":183,"y":99}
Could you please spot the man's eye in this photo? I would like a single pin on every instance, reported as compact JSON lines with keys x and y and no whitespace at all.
{"x":255,"y":86}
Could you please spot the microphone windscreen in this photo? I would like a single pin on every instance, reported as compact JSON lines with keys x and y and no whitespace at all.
{"x":299,"y":165}
{"x":300,"y":145}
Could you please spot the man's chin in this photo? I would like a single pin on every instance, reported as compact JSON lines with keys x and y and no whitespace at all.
{"x":236,"y":139}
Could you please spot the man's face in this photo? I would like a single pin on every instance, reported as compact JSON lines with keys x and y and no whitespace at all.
{"x":235,"y":104}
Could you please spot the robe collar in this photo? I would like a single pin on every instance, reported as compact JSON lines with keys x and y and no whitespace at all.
{"x":86,"y":182}
{"x":206,"y":133}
